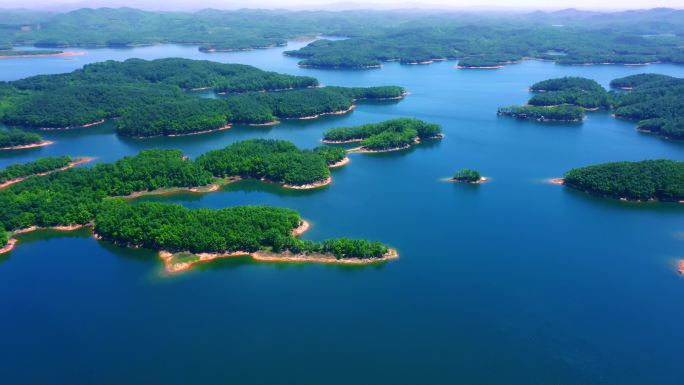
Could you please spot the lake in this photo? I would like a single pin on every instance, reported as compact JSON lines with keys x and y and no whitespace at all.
{"x":516,"y":281}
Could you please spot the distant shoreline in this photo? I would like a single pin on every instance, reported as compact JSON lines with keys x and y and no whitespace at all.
{"x":67,"y":53}
{"x":42,"y":143}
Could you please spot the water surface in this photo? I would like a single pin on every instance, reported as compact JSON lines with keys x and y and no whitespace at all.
{"x":512,"y":282}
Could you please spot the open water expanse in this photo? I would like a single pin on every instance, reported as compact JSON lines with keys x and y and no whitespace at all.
{"x":516,"y":281}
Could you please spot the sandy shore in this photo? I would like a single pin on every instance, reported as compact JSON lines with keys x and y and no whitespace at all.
{"x":68,"y":53}
{"x":171,"y":266}
{"x":556,"y":181}
{"x":680,"y":266}
{"x":226,"y":127}
{"x":328,"y":141}
{"x":273,"y":123}
{"x":217,"y":185}
{"x":341,"y":112}
{"x":341,"y":163}
{"x":25,"y":146}
{"x":318,"y":184}
{"x":9,"y":246}
{"x":301,"y":229}
{"x":70,"y":165}
{"x":73,"y":127}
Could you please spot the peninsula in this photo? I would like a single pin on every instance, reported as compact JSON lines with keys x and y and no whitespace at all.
{"x":15,"y":139}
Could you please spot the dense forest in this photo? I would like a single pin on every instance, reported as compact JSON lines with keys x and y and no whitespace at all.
{"x":277,"y":161}
{"x":484,"y":39}
{"x":74,"y":196}
{"x":544,"y":114}
{"x":581,"y":92}
{"x":655,"y":101}
{"x":38,"y":166}
{"x":150,"y":97}
{"x":13,"y":138}
{"x":390,"y":134}
{"x":649,"y":179}
{"x":467,"y":175}
{"x":170,"y":227}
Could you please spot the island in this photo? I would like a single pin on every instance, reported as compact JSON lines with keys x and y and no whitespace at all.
{"x":15,"y":139}
{"x":158,"y":98}
{"x":73,"y":197}
{"x":648,"y":180}
{"x":467,"y":175}
{"x":98,"y":196}
{"x":391,"y":135}
{"x":185,"y":237}
{"x":561,"y":100}
{"x":43,"y":166}
{"x":656,"y":102}
{"x":485,"y":62}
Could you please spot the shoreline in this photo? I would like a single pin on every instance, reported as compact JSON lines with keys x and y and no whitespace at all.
{"x":67,"y":53}
{"x":170,"y":266}
{"x":328,"y":141}
{"x":680,"y":266}
{"x":42,"y":143}
{"x":341,"y":163}
{"x":301,"y":229}
{"x":271,"y":123}
{"x":226,"y":127}
{"x":416,"y":141}
{"x":556,"y":181}
{"x":613,"y":197}
{"x":213,"y":187}
{"x":482,"y":180}
{"x":68,"y":166}
{"x":496,"y":67}
{"x":308,"y":186}
{"x":73,"y":127}
{"x":340,"y":112}
{"x":12,"y":243}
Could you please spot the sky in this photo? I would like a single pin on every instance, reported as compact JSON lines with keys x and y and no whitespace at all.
{"x":342,"y":4}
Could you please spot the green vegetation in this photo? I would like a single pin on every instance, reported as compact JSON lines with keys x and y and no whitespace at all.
{"x":4,"y":52}
{"x":629,"y":82}
{"x":15,"y":137}
{"x":467,"y":175}
{"x":649,"y":179}
{"x":148,"y":97}
{"x":544,"y":114}
{"x":171,"y":227}
{"x":655,"y":101}
{"x":330,"y":154}
{"x":274,"y":160}
{"x":38,"y":166}
{"x":4,"y":237}
{"x":390,"y":134}
{"x":480,"y":62}
{"x":74,"y":196}
{"x":374,"y":37}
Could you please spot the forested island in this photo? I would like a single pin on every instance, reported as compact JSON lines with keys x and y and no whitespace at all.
{"x":15,"y":139}
{"x":390,"y":135}
{"x":656,"y":102}
{"x":18,"y":172}
{"x":561,"y":100}
{"x":478,"y":40}
{"x":661,"y":180}
{"x":467,"y":175}
{"x":151,"y":98}
{"x":79,"y":197}
{"x":185,"y":237}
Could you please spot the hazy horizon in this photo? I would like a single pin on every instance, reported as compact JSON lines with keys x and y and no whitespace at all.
{"x":501,"y":5}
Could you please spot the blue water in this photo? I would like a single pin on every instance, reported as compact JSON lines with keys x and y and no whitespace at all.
{"x":512,"y":282}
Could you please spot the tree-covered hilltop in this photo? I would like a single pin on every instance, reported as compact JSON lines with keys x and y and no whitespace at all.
{"x":277,"y":161}
{"x":149,"y":97}
{"x":649,"y":179}
{"x":655,"y":101}
{"x":74,"y":196}
{"x":331,"y":155}
{"x":15,"y":137}
{"x":574,"y":91}
{"x":170,"y":227}
{"x":467,"y":175}
{"x":384,"y":136}
{"x":374,"y":36}
{"x":544,"y":114}
{"x":561,"y":100}
{"x":38,"y":166}
{"x":629,"y":82}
